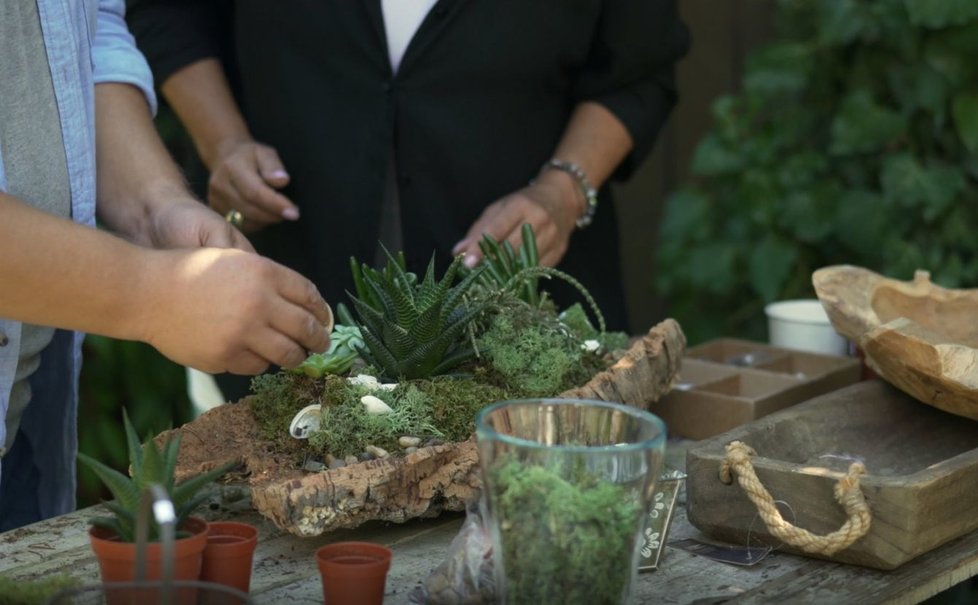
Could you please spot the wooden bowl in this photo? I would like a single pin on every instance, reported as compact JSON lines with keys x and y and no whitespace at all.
{"x":918,"y":336}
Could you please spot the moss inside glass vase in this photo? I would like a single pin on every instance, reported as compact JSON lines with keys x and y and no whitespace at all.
{"x":566,"y":537}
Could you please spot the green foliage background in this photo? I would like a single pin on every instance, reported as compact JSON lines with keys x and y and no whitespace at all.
{"x":853,"y":140}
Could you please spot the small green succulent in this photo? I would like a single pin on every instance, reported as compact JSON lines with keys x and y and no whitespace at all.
{"x":148,"y":465}
{"x":414,"y":329}
{"x":344,"y":343}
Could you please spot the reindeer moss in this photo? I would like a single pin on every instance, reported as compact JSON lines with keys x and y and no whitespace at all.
{"x":537,"y":358}
{"x":564,"y":540}
{"x":347,"y":429}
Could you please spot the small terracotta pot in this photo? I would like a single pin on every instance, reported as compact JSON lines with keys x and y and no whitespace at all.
{"x":353,"y":573}
{"x":117,"y":560}
{"x":229,"y":553}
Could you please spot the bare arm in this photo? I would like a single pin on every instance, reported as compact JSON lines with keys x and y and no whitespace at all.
{"x":245,"y":174}
{"x":596,"y":141}
{"x":141,"y":193}
{"x":211,"y":308}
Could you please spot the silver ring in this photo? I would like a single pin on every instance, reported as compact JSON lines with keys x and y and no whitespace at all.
{"x":234,"y":217}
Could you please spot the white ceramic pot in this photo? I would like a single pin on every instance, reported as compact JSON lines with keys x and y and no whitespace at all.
{"x":804,"y":326}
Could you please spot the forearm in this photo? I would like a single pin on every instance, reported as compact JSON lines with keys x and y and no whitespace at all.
{"x":55,"y":272}
{"x":596,"y":141}
{"x":201,"y":97}
{"x":136,"y":174}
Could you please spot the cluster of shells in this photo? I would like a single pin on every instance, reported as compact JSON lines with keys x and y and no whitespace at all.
{"x":307,"y":421}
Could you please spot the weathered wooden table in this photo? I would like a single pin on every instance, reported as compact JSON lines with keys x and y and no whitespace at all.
{"x":285,"y":570}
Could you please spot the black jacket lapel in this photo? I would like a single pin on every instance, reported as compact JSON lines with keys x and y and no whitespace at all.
{"x":434,"y":23}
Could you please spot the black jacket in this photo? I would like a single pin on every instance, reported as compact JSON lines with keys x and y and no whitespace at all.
{"x":482,"y":95}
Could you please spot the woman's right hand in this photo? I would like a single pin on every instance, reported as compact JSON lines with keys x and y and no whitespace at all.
{"x":246,"y":177}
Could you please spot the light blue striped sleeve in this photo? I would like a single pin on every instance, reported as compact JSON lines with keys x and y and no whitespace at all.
{"x":114,"y":52}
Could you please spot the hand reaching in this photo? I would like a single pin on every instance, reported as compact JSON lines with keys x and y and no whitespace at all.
{"x":223,"y":310}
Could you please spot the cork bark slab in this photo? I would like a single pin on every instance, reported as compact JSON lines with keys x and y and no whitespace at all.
{"x":918,"y":336}
{"x":422,"y":484}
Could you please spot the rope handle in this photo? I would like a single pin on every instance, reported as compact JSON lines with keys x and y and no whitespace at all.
{"x":847,"y":494}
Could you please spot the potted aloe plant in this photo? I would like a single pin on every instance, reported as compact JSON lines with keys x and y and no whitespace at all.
{"x":113,"y":538}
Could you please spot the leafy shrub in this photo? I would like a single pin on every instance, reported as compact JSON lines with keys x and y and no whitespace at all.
{"x":854,"y":140}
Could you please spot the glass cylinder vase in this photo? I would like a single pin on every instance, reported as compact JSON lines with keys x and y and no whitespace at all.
{"x":566,"y":486}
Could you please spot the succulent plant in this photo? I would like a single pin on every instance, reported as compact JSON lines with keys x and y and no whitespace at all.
{"x":414,"y":329}
{"x":344,"y":343}
{"x":148,"y":465}
{"x":519,"y":273}
{"x":503,"y":264}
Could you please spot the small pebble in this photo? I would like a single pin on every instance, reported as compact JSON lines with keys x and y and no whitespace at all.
{"x":407,"y":441}
{"x":410,"y":450}
{"x":313,"y":466}
{"x":365,"y":380}
{"x":434,"y":441}
{"x":375,"y":406}
{"x":365,"y":456}
{"x":377,"y":452}
{"x":337,"y":463}
{"x":329,"y":459}
{"x":351,"y":460}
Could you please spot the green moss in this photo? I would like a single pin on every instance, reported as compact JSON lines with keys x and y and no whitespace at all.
{"x":278,"y":397}
{"x":564,"y":540}
{"x":536,"y":356}
{"x":456,"y":401}
{"x":17,"y":591}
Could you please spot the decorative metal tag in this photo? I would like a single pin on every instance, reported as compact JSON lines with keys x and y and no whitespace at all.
{"x":659,"y":518}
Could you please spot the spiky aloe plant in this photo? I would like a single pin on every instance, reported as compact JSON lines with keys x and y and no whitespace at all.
{"x":411,"y":329}
{"x":148,"y":465}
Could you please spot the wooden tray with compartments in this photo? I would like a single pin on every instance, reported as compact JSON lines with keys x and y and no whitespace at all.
{"x":727,"y":382}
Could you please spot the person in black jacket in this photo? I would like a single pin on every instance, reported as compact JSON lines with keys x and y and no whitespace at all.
{"x":327,"y":125}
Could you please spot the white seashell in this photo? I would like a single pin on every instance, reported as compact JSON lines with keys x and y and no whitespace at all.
{"x":590,"y":345}
{"x":306,"y":421}
{"x":375,"y":406}
{"x":408,"y":441}
{"x":377,"y":452}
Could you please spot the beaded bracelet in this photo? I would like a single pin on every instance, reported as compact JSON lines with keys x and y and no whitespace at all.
{"x":590,"y":195}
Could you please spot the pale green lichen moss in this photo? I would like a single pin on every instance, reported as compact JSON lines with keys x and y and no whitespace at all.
{"x":535,"y":354}
{"x":564,"y":539}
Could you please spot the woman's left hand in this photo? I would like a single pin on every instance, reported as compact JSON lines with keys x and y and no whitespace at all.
{"x":551,"y":205}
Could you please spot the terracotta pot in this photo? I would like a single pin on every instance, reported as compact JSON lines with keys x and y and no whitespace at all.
{"x":353,"y":573}
{"x":117,"y":560}
{"x":228,"y":555}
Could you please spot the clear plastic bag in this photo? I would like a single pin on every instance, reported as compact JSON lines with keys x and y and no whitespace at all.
{"x":465,"y":577}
